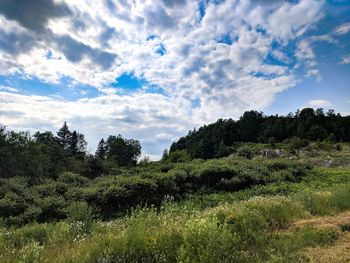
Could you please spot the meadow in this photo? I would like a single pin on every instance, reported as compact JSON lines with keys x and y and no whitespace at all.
{"x":224,"y":210}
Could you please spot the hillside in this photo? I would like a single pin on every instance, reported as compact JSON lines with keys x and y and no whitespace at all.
{"x":224,"y":136}
{"x":233,"y":209}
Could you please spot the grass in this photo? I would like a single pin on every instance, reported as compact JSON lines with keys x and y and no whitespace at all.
{"x":253,"y":230}
{"x":280,"y":221}
{"x":322,"y":179}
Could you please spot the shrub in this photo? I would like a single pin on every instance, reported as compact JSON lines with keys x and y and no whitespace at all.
{"x":296,"y":143}
{"x":245,"y":151}
{"x":79,"y":211}
{"x":72,"y":179}
{"x":179,"y":156}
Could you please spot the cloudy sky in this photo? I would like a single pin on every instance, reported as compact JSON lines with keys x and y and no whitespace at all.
{"x":152,"y":70}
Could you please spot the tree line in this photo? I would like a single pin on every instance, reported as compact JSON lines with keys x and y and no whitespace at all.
{"x":219,"y":139}
{"x":47,"y":155}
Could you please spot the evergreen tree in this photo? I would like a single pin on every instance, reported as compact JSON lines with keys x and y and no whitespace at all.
{"x":77,"y":144}
{"x":101,"y":149}
{"x":64,"y":136}
{"x":73,"y":143}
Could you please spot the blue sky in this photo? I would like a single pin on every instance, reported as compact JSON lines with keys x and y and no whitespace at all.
{"x":152,"y":70}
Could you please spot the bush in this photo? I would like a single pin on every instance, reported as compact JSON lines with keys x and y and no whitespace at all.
{"x":38,"y":233}
{"x":80,"y":216}
{"x":72,"y":179}
{"x":295,"y":143}
{"x":179,"y":156}
{"x":79,"y":211}
{"x":110,"y":196}
{"x":245,"y":151}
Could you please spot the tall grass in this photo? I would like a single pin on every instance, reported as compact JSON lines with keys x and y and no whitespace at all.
{"x":252,"y":230}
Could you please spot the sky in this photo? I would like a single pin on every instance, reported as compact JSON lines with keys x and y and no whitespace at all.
{"x":154,"y":69}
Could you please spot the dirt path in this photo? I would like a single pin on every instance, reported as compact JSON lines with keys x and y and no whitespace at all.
{"x":340,"y":250}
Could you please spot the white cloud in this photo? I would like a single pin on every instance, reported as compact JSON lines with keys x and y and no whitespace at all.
{"x":138,"y":116}
{"x":326,"y":38}
{"x":307,"y":57}
{"x":319,"y":103}
{"x":281,"y":56}
{"x":345,"y":59}
{"x":10,"y":89}
{"x":101,"y":40}
{"x":342,"y":29}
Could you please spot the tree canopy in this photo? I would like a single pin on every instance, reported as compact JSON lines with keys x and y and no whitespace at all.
{"x":216,"y":139}
{"x":47,"y":155}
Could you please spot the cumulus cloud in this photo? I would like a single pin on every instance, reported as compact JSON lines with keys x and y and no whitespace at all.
{"x":151,"y":118}
{"x":33,"y":14}
{"x":217,"y":55}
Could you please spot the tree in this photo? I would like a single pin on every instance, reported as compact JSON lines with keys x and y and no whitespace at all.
{"x":101,"y":149}
{"x":77,"y":144}
{"x":145,"y":160}
{"x":64,"y":136}
{"x":317,"y":133}
{"x":250,"y":123}
{"x":45,"y":138}
{"x":222,"y":150}
{"x":165,"y":155}
{"x":125,"y":152}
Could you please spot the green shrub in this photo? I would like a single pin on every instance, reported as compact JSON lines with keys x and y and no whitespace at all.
{"x":179,"y":156}
{"x":296,"y":143}
{"x":245,"y":151}
{"x":80,"y":216}
{"x":72,"y":179}
{"x":39,"y":233}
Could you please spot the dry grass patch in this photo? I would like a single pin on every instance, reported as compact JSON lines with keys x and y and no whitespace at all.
{"x":338,"y":220}
{"x":339,"y":252}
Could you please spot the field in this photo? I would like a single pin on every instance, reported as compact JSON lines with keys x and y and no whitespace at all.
{"x":225,"y":210}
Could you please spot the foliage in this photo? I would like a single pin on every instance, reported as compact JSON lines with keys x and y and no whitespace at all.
{"x":22,"y":201}
{"x":308,"y":124}
{"x":46,"y":155}
{"x":259,"y":229}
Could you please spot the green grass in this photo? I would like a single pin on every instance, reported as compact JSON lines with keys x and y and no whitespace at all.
{"x":242,"y":229}
{"x":202,"y":218}
{"x":321,"y":179}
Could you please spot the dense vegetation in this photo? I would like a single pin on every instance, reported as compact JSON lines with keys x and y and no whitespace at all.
{"x":255,"y":229}
{"x":22,"y":201}
{"x":59,"y":203}
{"x":45,"y":155}
{"x":222,"y":137}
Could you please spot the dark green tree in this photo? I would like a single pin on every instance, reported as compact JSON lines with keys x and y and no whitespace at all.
{"x":101,"y":149}
{"x":77,"y":144}
{"x":123,"y":151}
{"x":64,"y":136}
